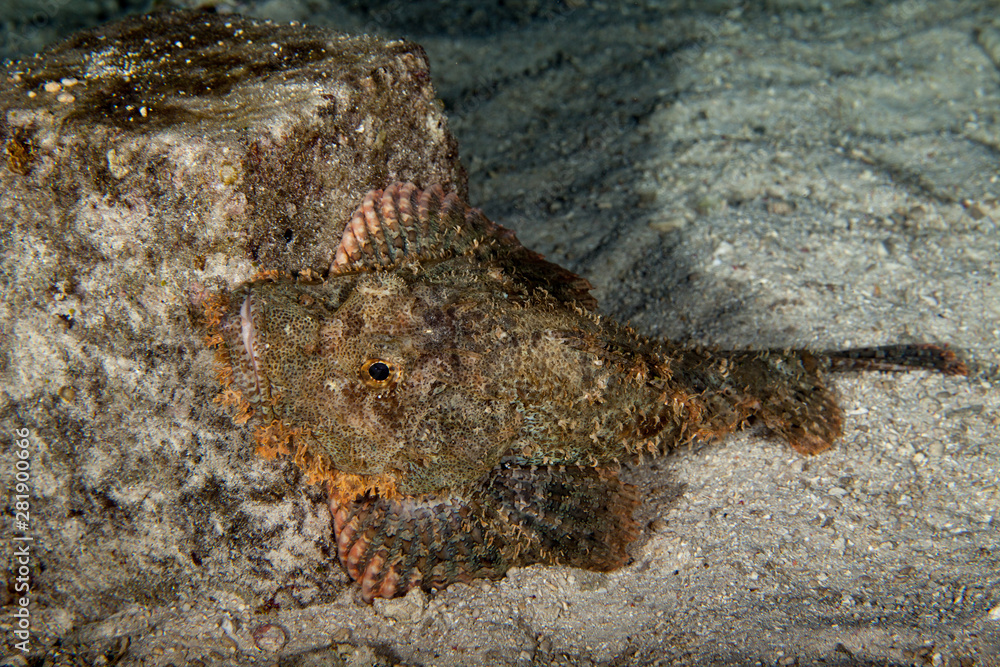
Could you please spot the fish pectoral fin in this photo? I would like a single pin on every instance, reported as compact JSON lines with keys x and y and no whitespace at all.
{"x":567,"y":515}
{"x":517,"y":515}
{"x":390,"y":545}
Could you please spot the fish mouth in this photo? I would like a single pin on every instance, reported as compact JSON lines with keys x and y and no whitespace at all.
{"x":248,"y":336}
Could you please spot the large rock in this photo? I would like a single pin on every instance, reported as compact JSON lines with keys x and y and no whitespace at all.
{"x":148,"y":163}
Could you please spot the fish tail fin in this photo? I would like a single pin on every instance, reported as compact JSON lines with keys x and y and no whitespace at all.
{"x":786,"y":391}
{"x":782,"y":389}
{"x":896,"y":358}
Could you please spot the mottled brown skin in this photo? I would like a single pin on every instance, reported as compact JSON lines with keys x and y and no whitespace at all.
{"x":468,"y":409}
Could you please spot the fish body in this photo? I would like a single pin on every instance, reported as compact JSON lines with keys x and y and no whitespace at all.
{"x":466,"y":407}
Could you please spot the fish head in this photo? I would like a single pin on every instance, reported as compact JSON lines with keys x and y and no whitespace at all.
{"x":383,"y":373}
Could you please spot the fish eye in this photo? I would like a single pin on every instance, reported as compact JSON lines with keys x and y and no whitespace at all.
{"x":379,"y":373}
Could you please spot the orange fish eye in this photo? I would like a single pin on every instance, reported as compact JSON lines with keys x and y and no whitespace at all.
{"x":379,"y":373}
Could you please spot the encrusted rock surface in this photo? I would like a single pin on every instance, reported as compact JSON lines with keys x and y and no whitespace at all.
{"x":146,"y":163}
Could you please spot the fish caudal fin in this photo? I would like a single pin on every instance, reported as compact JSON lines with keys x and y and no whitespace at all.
{"x":785,"y":389}
{"x":722,"y":390}
{"x":895,"y":358}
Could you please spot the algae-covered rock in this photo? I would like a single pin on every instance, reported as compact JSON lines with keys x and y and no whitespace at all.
{"x":146,"y":164}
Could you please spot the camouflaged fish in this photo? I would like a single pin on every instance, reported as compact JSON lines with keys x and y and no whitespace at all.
{"x":466,"y":407}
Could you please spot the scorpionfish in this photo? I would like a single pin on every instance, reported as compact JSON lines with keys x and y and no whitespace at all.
{"x":468,"y":409}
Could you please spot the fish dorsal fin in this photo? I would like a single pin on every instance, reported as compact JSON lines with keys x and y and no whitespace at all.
{"x":404,"y":223}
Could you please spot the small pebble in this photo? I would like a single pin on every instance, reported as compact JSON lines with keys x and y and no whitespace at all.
{"x":362,"y":656}
{"x":270,"y":637}
{"x":723,"y":248}
{"x":779,"y":207}
{"x":668,"y":224}
{"x":407,"y":609}
{"x":228,"y":174}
